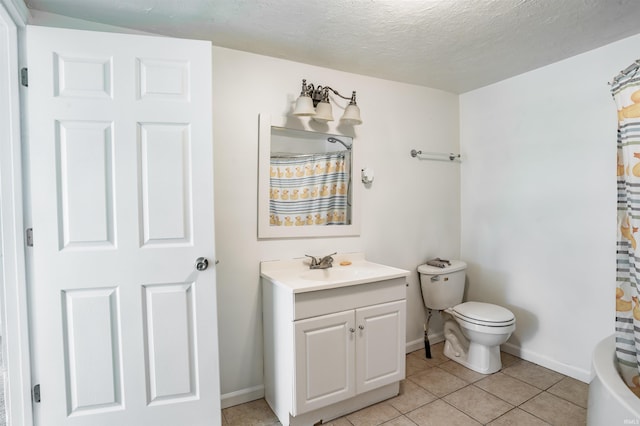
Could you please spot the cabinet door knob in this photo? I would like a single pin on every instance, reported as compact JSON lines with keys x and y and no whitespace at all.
{"x":361,"y":327}
{"x":353,"y":330}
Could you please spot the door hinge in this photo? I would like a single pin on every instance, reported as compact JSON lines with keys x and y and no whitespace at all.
{"x":24,"y":77}
{"x":36,"y":393}
{"x":29,"y":237}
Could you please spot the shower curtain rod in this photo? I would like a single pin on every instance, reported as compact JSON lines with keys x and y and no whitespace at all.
{"x":631,"y":68}
{"x":312,"y":154}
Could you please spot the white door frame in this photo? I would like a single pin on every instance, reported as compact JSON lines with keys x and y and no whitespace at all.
{"x":13,"y":292}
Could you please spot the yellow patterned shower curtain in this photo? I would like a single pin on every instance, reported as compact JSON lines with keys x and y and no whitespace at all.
{"x":309,"y":189}
{"x":626,"y":93}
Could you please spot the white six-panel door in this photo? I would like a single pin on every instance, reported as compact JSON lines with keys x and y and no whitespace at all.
{"x":124,"y":328}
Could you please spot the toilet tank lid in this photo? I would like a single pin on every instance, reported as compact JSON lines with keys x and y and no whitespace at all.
{"x":456,"y":265}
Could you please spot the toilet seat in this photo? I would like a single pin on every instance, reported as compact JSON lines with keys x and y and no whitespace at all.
{"x":483,"y":314}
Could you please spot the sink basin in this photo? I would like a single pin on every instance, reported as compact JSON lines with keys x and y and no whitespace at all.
{"x":296,"y":276}
{"x":331,"y":274}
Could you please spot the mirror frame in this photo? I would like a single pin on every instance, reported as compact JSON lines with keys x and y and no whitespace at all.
{"x":265,"y":230}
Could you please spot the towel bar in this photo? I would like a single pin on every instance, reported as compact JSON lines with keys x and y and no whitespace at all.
{"x":451,"y":156}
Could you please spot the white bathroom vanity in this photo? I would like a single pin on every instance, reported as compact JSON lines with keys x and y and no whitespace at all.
{"x":334,"y":339}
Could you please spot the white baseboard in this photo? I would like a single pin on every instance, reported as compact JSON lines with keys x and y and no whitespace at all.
{"x":418,"y":344}
{"x":256,"y":392}
{"x":536,"y":358}
{"x":527,"y":355}
{"x":241,"y":396}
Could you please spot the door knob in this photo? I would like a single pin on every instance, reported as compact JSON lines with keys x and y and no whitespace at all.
{"x":202,"y":263}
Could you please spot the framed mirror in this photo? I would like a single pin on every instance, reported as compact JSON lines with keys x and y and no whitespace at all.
{"x":306,"y":185}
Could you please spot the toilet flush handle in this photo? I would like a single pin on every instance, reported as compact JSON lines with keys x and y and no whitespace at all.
{"x":435,"y":278}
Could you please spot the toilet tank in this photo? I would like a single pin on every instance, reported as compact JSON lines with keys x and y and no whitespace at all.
{"x":442,"y":288}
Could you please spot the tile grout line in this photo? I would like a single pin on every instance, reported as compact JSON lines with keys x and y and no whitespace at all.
{"x":439,"y":362}
{"x":531,"y":414}
{"x":546,"y":390}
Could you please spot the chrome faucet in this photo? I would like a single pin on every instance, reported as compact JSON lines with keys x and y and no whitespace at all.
{"x":322,"y":263}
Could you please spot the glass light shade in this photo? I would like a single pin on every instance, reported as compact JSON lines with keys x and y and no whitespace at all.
{"x":304,"y":106}
{"x":351,"y":115}
{"x":323,"y":112}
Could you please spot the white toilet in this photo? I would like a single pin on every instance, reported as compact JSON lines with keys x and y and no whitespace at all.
{"x":473,"y":331}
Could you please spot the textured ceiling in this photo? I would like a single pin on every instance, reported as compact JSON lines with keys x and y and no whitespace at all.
{"x":453,"y":45}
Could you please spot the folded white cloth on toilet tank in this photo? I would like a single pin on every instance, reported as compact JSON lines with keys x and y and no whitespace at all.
{"x":438,"y":263}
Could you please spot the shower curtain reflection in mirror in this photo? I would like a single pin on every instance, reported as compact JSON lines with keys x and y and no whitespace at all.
{"x":306,"y":186}
{"x":309,"y":189}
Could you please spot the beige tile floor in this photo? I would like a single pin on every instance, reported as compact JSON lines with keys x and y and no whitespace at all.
{"x":440,"y":392}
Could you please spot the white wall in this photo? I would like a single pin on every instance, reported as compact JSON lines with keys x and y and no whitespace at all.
{"x":538,"y":188}
{"x":61,"y":21}
{"x":411,"y":211}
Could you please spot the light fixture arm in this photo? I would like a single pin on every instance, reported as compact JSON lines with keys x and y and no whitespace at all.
{"x":321,"y":93}
{"x":337,"y":93}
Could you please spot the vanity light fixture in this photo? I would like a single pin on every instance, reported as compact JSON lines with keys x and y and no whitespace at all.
{"x":314,"y":102}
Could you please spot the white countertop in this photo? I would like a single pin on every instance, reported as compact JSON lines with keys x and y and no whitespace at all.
{"x":295,"y":275}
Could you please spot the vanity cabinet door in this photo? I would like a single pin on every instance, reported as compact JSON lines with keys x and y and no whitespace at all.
{"x":324,"y":361}
{"x":380,"y":347}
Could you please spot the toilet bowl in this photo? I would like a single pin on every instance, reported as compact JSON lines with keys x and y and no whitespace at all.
{"x":484,"y":328}
{"x":473,"y":331}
